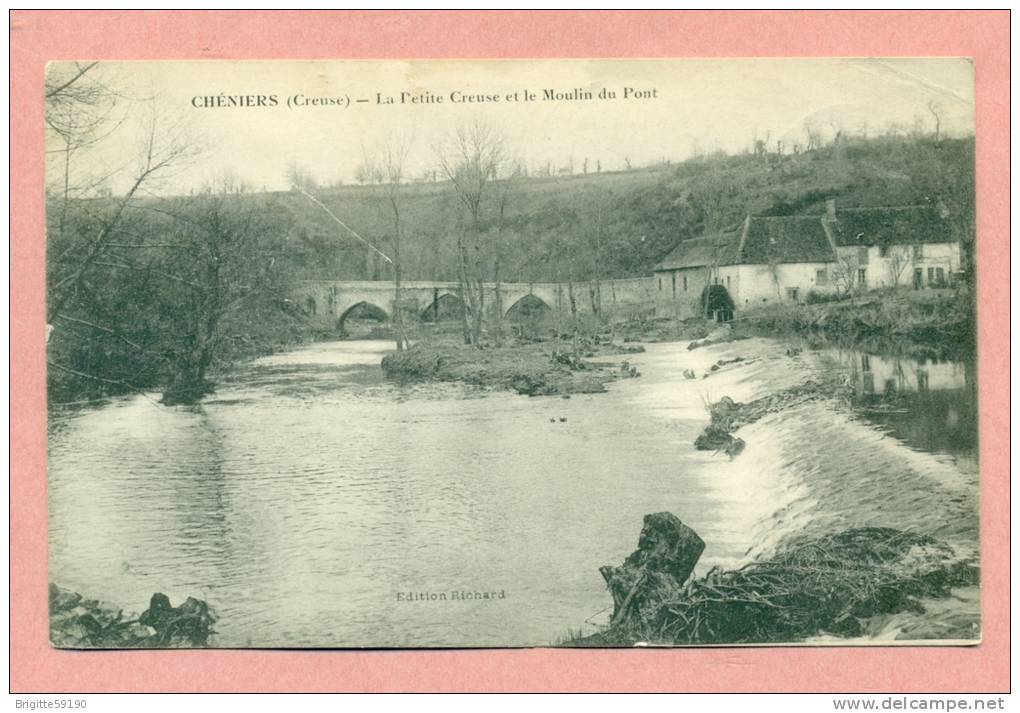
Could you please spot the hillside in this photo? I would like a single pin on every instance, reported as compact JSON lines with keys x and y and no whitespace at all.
{"x":195,"y":282}
{"x":620,"y":224}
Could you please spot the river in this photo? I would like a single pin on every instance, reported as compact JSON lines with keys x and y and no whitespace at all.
{"x":314,"y":504}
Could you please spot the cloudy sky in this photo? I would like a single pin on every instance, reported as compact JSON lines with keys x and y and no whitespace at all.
{"x":681,"y":107}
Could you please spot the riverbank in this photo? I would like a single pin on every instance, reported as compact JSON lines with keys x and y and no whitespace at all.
{"x":130,"y":365}
{"x":910,"y":322}
{"x":547,"y":367}
{"x":834,"y":585}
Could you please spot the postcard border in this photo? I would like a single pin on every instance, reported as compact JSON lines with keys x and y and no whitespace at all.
{"x":39,"y":36}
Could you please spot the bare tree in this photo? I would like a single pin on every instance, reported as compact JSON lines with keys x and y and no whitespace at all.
{"x":936,"y":111}
{"x":473,"y":158}
{"x":814,"y":135}
{"x":386,"y":166}
{"x":596,"y":228}
{"x":300,"y":177}
{"x":844,"y":272}
{"x":164,"y":145}
{"x":504,"y":191}
{"x":898,"y":258}
{"x":230,"y":258}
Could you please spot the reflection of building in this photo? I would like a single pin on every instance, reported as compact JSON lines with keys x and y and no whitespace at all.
{"x":782,"y":259}
{"x":929,"y":404}
{"x":886,"y":376}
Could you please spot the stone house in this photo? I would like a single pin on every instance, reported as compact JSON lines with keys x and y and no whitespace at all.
{"x":783,"y":259}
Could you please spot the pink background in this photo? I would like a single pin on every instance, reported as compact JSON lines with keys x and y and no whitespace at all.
{"x":37,"y":37}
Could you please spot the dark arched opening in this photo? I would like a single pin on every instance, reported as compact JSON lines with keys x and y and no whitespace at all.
{"x":528,"y":315}
{"x":361,"y":317}
{"x":716,"y":303}
{"x":444,"y":308}
{"x":527,"y":307}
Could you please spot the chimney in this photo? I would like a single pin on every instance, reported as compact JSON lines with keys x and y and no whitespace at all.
{"x":830,"y":208}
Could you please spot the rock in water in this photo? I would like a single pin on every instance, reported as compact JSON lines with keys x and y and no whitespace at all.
{"x":666,"y":555}
{"x":190,"y":624}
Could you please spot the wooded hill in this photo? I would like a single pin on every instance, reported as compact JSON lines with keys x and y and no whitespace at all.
{"x":620,"y":224}
{"x":151,"y":292}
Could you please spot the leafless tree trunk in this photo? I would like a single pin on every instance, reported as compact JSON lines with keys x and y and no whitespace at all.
{"x":936,"y":110}
{"x":473,"y":160}
{"x":78,"y":115}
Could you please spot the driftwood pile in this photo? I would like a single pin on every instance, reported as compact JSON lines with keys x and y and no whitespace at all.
{"x":821,"y":585}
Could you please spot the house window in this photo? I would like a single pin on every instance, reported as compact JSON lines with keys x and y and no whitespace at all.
{"x":660,"y":284}
{"x":918,"y":278}
{"x":821,"y":277}
{"x":674,"y":285}
{"x":940,"y":277}
{"x":862,"y":256}
{"x":862,"y":277}
{"x":685,"y":283}
{"x":883,"y":251}
{"x":791,"y":292}
{"x":931,"y":276}
{"x":727,"y":282}
{"x":918,"y":251}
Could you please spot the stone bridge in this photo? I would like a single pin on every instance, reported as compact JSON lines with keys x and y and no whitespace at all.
{"x":329,"y":302}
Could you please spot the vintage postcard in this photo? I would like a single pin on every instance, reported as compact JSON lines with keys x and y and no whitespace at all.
{"x":605,"y":353}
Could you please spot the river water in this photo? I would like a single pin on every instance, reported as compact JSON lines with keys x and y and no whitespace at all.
{"x":314,"y":504}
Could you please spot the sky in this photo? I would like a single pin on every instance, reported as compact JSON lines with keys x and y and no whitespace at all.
{"x":677,"y":108}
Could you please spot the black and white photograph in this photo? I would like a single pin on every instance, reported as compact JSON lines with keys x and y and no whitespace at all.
{"x":511,"y":353}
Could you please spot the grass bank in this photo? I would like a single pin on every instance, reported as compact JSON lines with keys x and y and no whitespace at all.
{"x":908,"y":322}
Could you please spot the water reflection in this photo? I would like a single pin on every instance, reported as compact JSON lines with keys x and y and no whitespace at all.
{"x":308,"y":492}
{"x":929,"y":403}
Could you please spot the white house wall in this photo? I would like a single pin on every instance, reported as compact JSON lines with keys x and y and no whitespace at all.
{"x":753,"y":286}
{"x":896,"y":268}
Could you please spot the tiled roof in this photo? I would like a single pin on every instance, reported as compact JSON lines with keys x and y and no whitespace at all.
{"x":790,"y":239}
{"x":890,"y":226}
{"x":719,"y":249}
{"x":786,"y":239}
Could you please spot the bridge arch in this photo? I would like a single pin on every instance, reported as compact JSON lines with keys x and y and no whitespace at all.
{"x":527,"y":307}
{"x":361,"y":310}
{"x":447,"y":305}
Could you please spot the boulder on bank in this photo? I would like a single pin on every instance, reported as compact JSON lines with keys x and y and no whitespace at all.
{"x":725,"y":415}
{"x":79,"y":623}
{"x":666,"y":555}
{"x":728,"y":415}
